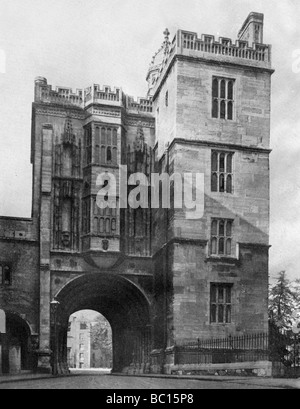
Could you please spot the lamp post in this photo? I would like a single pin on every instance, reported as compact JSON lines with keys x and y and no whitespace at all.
{"x":53,"y":309}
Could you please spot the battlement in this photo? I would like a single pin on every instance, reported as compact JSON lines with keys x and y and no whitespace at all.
{"x":92,"y":95}
{"x":142,"y":105}
{"x":98,"y":94}
{"x":247,"y":50}
{"x":61,"y":95}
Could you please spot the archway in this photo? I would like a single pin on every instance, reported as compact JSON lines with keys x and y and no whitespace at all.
{"x":125,"y":307}
{"x":89,"y":342}
{"x":16,"y":345}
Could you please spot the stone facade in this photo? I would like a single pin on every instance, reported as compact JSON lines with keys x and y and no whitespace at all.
{"x":158,"y":277}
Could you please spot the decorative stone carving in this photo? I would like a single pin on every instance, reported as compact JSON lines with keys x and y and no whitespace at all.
{"x":67,"y":186}
{"x":138,"y":221}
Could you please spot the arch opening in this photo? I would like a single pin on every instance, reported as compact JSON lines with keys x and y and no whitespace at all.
{"x":16,"y":348}
{"x":124,"y":306}
{"x":89,"y":341}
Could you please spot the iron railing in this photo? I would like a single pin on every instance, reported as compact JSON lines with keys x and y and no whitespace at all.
{"x":247,"y":348}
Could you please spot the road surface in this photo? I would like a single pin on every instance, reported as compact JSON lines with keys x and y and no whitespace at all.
{"x":104,"y":381}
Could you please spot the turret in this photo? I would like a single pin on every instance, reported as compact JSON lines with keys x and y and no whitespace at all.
{"x":253,"y":29}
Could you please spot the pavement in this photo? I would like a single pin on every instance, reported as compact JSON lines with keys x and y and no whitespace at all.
{"x":95,"y":379}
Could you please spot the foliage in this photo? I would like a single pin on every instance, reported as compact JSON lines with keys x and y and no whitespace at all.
{"x":284,"y":302}
{"x":101,"y":338}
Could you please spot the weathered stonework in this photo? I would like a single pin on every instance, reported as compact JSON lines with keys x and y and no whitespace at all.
{"x":149,"y":272}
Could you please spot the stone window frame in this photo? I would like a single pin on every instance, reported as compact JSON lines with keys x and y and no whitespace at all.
{"x":222,"y":175}
{"x":105,"y":220}
{"x":3,"y":281}
{"x":88,"y":143}
{"x":221,"y":305}
{"x":223,"y":98}
{"x":221,"y":237}
{"x":106,"y":145}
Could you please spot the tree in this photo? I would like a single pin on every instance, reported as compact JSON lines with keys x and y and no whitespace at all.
{"x":101,"y":341}
{"x":284,"y":300}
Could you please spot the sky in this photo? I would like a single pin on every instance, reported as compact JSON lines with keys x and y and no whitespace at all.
{"x":77,"y":43}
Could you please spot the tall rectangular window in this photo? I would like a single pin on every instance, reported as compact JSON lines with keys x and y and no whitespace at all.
{"x":108,"y":149}
{"x":221,"y":237}
{"x":220,"y":303}
{"x":222,"y":98}
{"x":5,"y":275}
{"x":88,"y":145}
{"x":222,"y":172}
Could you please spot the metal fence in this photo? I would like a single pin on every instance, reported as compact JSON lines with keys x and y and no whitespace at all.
{"x":247,"y":348}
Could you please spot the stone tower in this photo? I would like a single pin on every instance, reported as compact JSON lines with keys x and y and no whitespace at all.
{"x":158,"y":276}
{"x":211,"y":100}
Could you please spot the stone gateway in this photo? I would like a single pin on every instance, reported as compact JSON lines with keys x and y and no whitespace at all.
{"x":159,"y":277}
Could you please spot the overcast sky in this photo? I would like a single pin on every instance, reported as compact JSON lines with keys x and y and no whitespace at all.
{"x":77,"y":43}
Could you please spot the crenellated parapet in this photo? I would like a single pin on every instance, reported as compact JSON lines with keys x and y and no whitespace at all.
{"x":141,"y":105}
{"x":247,"y":50}
{"x":103,"y":95}
{"x":93,"y":95}
{"x":44,"y":93}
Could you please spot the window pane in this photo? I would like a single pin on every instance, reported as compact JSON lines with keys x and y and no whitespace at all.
{"x":221,"y":246}
{"x":101,"y":225}
{"x":214,"y":246}
{"x":215,"y":88}
{"x":97,"y":136}
{"x":229,"y":164}
{"x":214,"y":162}
{"x":114,"y":156}
{"x":96,"y":225}
{"x":213,"y":294}
{"x":222,"y":162}
{"x":229,"y":228}
{"x":107,"y":226}
{"x":228,"y":247}
{"x":97,"y":155}
{"x":6,"y":275}
{"x":214,"y":228}
{"x":230,"y":110}
{"x":220,"y":294}
{"x":223,"y":110}
{"x":109,"y":136}
{"x":229,"y":184}
{"x":223,"y":87}
{"x":228,"y":314}
{"x":213,"y":314}
{"x":115,"y":137}
{"x":228,"y":295}
{"x":108,"y":155}
{"x":230,"y":90}
{"x":221,"y":228}
{"x":214,"y":182}
{"x":113,"y":225}
{"x":103,"y":151}
{"x":215,"y":109}
{"x":221,"y":314}
{"x":222,"y":183}
{"x":103,"y":136}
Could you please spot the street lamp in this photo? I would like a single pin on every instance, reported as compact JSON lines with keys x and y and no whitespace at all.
{"x":54,"y":304}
